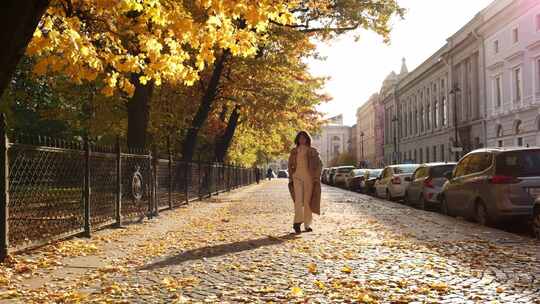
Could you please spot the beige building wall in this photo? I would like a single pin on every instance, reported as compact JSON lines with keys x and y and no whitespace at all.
{"x":365,"y":124}
{"x":333,"y":140}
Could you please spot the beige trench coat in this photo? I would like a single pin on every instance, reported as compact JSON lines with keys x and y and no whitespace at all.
{"x":315,"y":168}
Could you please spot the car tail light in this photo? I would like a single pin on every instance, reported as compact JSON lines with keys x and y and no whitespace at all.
{"x":428,"y":183}
{"x":503,"y":179}
{"x":396,"y":180}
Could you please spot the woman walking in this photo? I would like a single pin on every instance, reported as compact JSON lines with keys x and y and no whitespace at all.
{"x":304,"y":181}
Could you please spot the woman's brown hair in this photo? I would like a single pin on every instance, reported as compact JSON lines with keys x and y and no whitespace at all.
{"x":306,"y":135}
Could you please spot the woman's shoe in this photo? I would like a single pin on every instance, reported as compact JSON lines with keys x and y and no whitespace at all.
{"x":297,"y":229}
{"x":308,"y":229}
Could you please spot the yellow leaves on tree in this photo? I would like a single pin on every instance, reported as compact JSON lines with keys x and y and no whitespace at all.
{"x":157,"y":39}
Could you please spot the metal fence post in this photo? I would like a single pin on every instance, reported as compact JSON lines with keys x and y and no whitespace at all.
{"x":200,"y":175}
{"x":86,"y":187}
{"x":4,"y":190}
{"x":118,"y":212}
{"x":155,"y":162}
{"x":170,"y":172}
{"x":187,"y":176}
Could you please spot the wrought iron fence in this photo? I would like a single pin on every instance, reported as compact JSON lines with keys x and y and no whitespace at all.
{"x":56,"y":189}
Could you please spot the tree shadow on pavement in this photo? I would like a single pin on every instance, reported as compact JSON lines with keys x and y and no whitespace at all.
{"x":218,"y":250}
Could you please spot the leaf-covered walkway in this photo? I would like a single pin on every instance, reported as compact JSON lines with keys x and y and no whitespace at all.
{"x":238,"y":248}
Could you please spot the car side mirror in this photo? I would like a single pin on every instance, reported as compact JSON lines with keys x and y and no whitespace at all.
{"x":408,"y":179}
{"x":448,"y":175}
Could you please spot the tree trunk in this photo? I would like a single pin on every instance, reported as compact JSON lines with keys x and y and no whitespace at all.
{"x":18,"y":21}
{"x":139,"y":113}
{"x":224,"y":142}
{"x":204,"y":108}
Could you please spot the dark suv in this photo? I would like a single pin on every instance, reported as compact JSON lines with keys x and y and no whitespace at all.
{"x":493,"y":185}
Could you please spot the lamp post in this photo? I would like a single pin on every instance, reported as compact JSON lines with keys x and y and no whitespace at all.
{"x":394,"y":122}
{"x":363,"y":160}
{"x":454,"y":91}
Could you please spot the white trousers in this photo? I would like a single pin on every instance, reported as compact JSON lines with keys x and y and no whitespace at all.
{"x":303,"y":189}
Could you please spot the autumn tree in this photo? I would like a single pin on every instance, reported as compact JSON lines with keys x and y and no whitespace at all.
{"x":131,"y":46}
{"x":321,"y":20}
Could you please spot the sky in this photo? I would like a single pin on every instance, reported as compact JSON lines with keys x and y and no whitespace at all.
{"x":357,"y":69}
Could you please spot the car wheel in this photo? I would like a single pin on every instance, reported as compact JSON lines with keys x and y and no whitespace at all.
{"x":389,"y":196}
{"x":536,"y":223}
{"x":421,"y":202}
{"x":444,"y":206}
{"x":481,"y":214}
{"x":406,"y":200}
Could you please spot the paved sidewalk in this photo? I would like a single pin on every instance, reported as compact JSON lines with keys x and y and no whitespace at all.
{"x":238,"y":248}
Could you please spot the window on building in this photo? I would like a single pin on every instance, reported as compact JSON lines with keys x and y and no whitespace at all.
{"x":496,"y":46}
{"x":410,"y":122}
{"x":427,"y":154}
{"x":517,"y":85}
{"x":444,"y":111}
{"x":421,"y":155}
{"x":499,"y":131}
{"x":415,"y":159}
{"x":498,"y":91}
{"x":434,"y":153}
{"x":421,"y":118}
{"x":537,"y":75}
{"x":415,"y":121}
{"x":517,"y":128}
{"x":500,"y":143}
{"x":443,"y":156}
{"x":538,"y":22}
{"x":436,"y":114}
{"x":515,"y":35}
{"x":428,"y":117}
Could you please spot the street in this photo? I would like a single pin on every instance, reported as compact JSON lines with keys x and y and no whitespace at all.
{"x":237,"y":247}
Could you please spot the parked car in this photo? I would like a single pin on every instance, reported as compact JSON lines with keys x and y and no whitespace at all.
{"x":354,"y":179}
{"x":341,"y":175}
{"x":392,"y":184}
{"x":536,"y":219}
{"x":323,"y":175}
{"x":283,"y":174}
{"x":368,"y":184}
{"x":426,"y":184}
{"x":331,"y":175}
{"x":493,"y":185}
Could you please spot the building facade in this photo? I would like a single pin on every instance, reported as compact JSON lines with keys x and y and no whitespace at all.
{"x":512,"y":45}
{"x":367,"y":137}
{"x":333,"y":140}
{"x":389,"y":99}
{"x":423,"y":109}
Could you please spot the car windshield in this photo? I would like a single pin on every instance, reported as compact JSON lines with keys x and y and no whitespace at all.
{"x":405,"y":169}
{"x":344,"y":170}
{"x":375,"y":173}
{"x":358,"y":172}
{"x":439,"y":171}
{"x":519,"y":163}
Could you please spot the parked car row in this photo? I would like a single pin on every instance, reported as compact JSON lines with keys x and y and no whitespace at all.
{"x":490,"y":185}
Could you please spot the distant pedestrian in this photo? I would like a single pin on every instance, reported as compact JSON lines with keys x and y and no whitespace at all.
{"x":305,"y":167}
{"x":257,"y":175}
{"x":269,"y":174}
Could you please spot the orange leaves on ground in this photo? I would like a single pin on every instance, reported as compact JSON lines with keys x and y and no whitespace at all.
{"x":312,"y":268}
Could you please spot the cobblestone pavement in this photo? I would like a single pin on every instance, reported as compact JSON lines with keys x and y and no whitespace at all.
{"x":238,"y":248}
